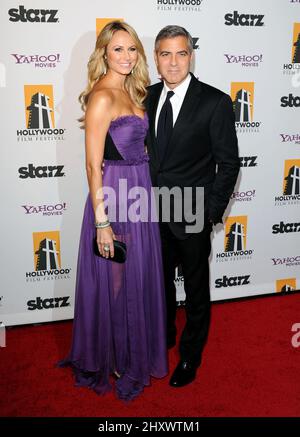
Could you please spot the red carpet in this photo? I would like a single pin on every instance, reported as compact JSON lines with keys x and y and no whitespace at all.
{"x":250,"y":368}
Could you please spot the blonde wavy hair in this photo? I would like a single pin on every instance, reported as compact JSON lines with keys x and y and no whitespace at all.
{"x":135,"y":83}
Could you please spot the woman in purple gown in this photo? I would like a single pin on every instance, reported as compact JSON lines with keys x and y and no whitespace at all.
{"x":119,"y":321}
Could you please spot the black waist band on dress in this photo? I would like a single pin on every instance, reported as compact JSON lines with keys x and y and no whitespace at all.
{"x":134,"y":161}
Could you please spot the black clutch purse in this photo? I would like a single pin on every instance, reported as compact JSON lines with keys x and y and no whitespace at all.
{"x":120,"y":250}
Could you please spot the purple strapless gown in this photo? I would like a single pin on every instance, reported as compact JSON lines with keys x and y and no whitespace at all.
{"x":119,"y":320}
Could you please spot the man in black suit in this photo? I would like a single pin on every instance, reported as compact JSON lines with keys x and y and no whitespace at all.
{"x":191,"y":143}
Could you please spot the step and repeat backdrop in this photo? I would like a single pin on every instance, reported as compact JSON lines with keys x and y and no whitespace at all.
{"x":250,"y":50}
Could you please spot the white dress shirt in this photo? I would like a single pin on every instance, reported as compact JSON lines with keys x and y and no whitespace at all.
{"x":176,"y":100}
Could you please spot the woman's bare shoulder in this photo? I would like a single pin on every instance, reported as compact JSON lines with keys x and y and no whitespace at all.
{"x":101,"y":103}
{"x":101,"y":96}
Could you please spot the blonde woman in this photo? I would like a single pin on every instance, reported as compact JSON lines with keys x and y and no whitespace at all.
{"x":119,"y":321}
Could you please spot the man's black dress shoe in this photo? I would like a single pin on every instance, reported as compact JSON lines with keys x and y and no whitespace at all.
{"x":184,"y":373}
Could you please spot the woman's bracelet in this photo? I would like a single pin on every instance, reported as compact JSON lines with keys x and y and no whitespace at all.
{"x":102,"y":225}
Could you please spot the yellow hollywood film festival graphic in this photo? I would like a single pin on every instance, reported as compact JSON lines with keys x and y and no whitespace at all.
{"x":291,"y":179}
{"x":242,"y":95}
{"x":39,"y":104}
{"x":235,"y":233}
{"x":296,"y":44}
{"x":101,"y":22}
{"x":285,"y":285}
{"x":46,"y":247}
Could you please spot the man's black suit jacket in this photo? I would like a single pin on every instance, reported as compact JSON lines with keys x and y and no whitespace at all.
{"x":202,"y":151}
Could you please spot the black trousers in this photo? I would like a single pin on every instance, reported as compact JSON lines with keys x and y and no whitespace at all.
{"x":193,"y":254}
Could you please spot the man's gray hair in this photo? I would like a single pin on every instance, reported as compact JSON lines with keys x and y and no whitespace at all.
{"x":172,"y":31}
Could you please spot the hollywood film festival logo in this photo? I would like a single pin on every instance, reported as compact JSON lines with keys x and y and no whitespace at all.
{"x":39,"y":115}
{"x":179,"y":284}
{"x":294,"y":66}
{"x":47,"y":258}
{"x":235,"y":241}
{"x":286,"y":285}
{"x":242,"y":95}
{"x":102,"y":22}
{"x":291,"y":184}
{"x":178,"y":5}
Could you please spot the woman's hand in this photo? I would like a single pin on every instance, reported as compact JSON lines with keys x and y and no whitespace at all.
{"x":105,"y":238}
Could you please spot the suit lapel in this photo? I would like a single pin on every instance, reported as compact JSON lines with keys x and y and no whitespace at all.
{"x":152,"y":107}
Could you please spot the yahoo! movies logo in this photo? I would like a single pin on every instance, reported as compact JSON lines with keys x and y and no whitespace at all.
{"x":291,"y":184}
{"x":179,"y":5}
{"x":285,"y":285}
{"x":242,"y":95}
{"x":294,"y":65}
{"x":38,"y":61}
{"x":287,"y":261}
{"x":47,"y":258}
{"x":39,"y":115}
{"x":45,"y":210}
{"x":290,"y":138}
{"x":235,"y":241}
{"x":243,"y":196}
{"x":244,"y":60}
{"x":32,"y":15}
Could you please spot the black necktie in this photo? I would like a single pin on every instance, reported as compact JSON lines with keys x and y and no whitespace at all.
{"x":165,"y":125}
